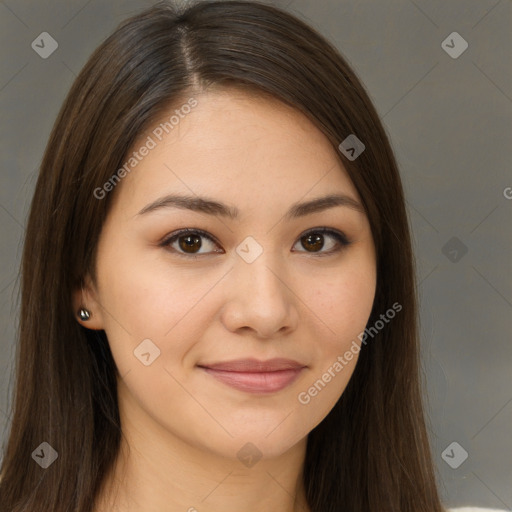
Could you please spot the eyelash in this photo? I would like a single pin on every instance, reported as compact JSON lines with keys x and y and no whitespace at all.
{"x":340,"y":238}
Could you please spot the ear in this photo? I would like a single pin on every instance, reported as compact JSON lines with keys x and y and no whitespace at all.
{"x":86,"y":297}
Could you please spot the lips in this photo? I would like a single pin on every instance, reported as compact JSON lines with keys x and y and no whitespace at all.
{"x":253,"y":376}
{"x":255,"y":366}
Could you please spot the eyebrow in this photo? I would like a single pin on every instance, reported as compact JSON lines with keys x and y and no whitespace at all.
{"x":216,"y":208}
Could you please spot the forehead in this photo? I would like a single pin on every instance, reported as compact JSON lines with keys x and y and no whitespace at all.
{"x":235,"y":146}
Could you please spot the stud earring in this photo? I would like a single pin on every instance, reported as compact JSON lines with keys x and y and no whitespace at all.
{"x":84,"y":314}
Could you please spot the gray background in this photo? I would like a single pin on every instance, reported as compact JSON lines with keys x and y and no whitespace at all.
{"x":450,"y":124}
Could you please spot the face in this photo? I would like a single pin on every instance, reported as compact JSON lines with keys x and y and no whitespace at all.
{"x":272,"y":281}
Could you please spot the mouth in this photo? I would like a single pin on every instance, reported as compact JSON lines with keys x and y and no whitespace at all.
{"x":253,"y":376}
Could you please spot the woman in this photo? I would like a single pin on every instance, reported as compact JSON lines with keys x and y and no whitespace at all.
{"x":218,"y":296}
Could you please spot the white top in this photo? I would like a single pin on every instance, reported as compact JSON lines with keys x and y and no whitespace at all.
{"x":474,"y":509}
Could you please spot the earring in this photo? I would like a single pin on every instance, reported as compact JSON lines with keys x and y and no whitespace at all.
{"x":84,"y":314}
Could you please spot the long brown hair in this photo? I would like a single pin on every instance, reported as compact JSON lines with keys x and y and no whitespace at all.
{"x":372,"y":450}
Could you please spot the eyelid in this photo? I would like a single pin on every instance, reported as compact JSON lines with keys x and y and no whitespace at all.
{"x":336,"y":233}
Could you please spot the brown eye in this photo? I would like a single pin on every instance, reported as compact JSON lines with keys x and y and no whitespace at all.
{"x":190,"y":243}
{"x":314,"y":241}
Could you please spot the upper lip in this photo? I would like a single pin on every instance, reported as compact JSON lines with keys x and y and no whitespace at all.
{"x":254,"y":365}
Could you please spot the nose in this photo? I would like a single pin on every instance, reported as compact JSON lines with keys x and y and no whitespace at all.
{"x":261,"y":298}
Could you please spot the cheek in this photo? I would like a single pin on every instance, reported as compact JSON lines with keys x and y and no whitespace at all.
{"x":345,"y":304}
{"x":146,"y":300}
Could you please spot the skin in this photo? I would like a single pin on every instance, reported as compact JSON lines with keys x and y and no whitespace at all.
{"x":182,"y":429}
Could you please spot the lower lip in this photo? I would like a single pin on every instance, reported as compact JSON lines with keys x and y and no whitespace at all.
{"x":256,"y":382}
